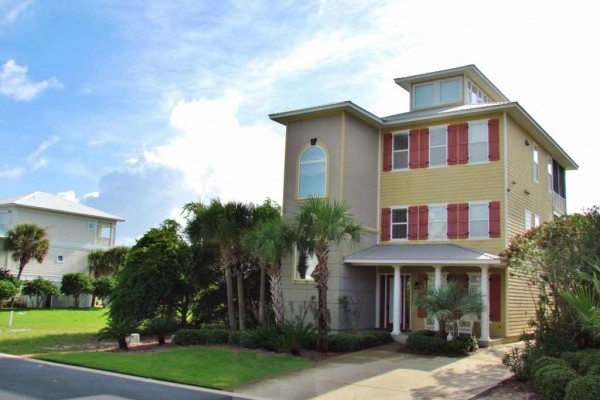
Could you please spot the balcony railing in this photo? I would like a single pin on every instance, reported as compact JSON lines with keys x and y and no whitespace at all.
{"x":559,"y":203}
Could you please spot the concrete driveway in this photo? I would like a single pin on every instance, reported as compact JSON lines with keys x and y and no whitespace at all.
{"x":383,"y":373}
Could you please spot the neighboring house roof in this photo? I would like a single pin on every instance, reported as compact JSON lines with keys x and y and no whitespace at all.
{"x":328,"y":109}
{"x":47,"y":201}
{"x":422,"y":254}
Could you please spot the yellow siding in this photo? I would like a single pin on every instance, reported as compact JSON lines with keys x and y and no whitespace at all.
{"x":524,"y":194}
{"x":450,"y":184}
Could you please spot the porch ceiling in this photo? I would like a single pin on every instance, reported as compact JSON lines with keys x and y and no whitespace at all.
{"x":422,"y":254}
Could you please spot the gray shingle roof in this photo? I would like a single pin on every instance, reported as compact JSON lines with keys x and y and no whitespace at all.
{"x":422,"y":254}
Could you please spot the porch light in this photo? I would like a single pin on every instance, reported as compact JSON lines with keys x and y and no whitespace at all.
{"x":313,"y":141}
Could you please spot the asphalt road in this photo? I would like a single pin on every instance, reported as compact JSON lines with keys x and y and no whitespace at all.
{"x":22,"y":379}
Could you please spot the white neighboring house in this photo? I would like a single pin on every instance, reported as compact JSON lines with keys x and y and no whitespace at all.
{"x":73,"y":231}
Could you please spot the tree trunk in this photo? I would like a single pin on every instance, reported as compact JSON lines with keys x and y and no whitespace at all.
{"x":277,"y":301}
{"x":76,"y":298}
{"x":241,"y":303}
{"x":229,"y":284}
{"x":185,"y":307}
{"x":261,"y":301}
{"x":21,"y":268}
{"x":321,"y":276}
{"x":161,"y":340}
{"x":122,"y":343}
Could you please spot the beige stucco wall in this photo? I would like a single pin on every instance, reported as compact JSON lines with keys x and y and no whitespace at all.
{"x":352,"y":149}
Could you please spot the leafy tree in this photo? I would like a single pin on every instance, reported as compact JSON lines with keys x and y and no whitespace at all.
{"x":76,"y":284}
{"x":38,"y":289}
{"x":26,"y":242}
{"x":551,"y":257}
{"x":8,"y":290}
{"x":272,"y":240}
{"x":103,"y":263}
{"x":319,"y":225}
{"x":444,"y":303}
{"x":103,"y":287}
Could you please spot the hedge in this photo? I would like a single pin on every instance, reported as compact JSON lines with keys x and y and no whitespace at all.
{"x":348,"y":342}
{"x":190,"y":337}
{"x":552,"y":380}
{"x":583,"y":388}
{"x":429,"y":342}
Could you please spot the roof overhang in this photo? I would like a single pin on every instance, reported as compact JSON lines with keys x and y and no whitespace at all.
{"x":470,"y":71}
{"x":423,"y":254}
{"x":328,"y":109}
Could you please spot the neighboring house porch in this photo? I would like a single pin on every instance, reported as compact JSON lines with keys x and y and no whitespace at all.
{"x":405,"y":270}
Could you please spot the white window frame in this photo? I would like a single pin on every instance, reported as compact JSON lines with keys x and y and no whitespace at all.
{"x":486,"y":159}
{"x":550,"y":174}
{"x":536,"y":162}
{"x":536,"y":220}
{"x":60,"y":259}
{"x":473,"y":88}
{"x":398,"y":223}
{"x":528,"y":220}
{"x":437,"y":92}
{"x":394,"y":151}
{"x":445,"y":222}
{"x":438,"y":127}
{"x":300,"y":164}
{"x":486,"y":204}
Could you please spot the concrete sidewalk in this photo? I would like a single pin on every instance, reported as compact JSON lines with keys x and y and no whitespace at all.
{"x":383,"y":373}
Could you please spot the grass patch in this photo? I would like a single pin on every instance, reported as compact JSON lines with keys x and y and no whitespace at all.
{"x":211,"y":367}
{"x":51,"y":330}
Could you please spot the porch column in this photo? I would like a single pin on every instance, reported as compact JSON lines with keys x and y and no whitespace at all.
{"x":396,"y":304}
{"x":437,"y":283}
{"x":485,"y":314}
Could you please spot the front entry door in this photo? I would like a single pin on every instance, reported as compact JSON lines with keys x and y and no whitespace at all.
{"x":386,"y":303}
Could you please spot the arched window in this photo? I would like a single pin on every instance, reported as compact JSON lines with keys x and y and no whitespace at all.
{"x":312,"y":174}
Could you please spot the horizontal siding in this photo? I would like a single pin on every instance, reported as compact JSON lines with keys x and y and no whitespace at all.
{"x":522,"y":299}
{"x":524,"y":192}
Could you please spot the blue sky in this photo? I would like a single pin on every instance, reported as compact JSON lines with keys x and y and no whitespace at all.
{"x":138,"y":107}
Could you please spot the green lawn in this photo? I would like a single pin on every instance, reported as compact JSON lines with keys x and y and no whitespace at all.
{"x":211,"y":367}
{"x":49,"y":330}
{"x":59,"y":335}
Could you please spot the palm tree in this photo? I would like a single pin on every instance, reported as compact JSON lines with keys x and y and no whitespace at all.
{"x":585,"y":299}
{"x":95,"y":264}
{"x":26,"y":242}
{"x":319,"y":224}
{"x":444,"y":303}
{"x":272,"y":240}
{"x":224,"y":225}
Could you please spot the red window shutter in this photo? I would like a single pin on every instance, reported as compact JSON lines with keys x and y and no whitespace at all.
{"x":386,"y":214}
{"x":452,"y":231}
{"x":413,"y":223}
{"x":494,"y":216}
{"x":494,"y":139}
{"x":423,"y":222}
{"x":387,"y":152}
{"x":413,"y":149}
{"x":495,"y":298}
{"x":422,"y":280}
{"x":424,"y":148}
{"x":452,"y":144}
{"x":463,"y":221}
{"x":463,"y":143}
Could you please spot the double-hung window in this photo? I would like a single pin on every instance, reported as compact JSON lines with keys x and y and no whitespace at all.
{"x":478,"y":141}
{"x":536,"y":163}
{"x":399,"y":223}
{"x":437,"y":222}
{"x":400,"y":150}
{"x":438,"y":146}
{"x":478,"y":220}
{"x":550,"y":175}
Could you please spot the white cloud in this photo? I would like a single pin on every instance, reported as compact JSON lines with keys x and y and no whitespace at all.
{"x":12,"y":173}
{"x":220,"y":157}
{"x":35,"y":158}
{"x":68,"y":195}
{"x":132,"y":160}
{"x":91,"y":195}
{"x":16,"y":85}
{"x":14,"y":10}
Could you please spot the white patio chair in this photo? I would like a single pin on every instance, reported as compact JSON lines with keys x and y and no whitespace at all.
{"x":466,"y":324}
{"x":429,"y":324}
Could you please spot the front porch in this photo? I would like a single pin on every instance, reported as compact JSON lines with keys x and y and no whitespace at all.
{"x":405,"y":270}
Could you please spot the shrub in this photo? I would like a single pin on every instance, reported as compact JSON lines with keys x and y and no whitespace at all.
{"x":75,"y":284}
{"x":38,"y":289}
{"x":262,"y":337}
{"x":234,"y":337}
{"x":347,"y":342}
{"x":191,"y":337}
{"x":429,"y":342}
{"x":161,"y":326}
{"x":119,"y":329}
{"x":588,"y":359}
{"x":297,"y":335}
{"x":546,"y":361}
{"x":103,"y":287}
{"x":583,"y":388}
{"x":8,"y":290}
{"x":593,"y":370}
{"x":552,"y":380}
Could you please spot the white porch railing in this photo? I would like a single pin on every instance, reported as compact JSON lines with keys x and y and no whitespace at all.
{"x":559,"y":203}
